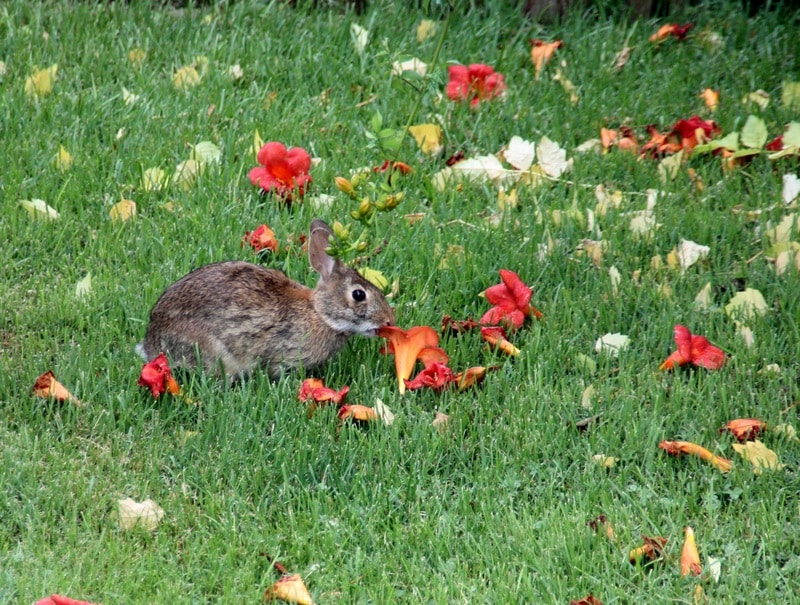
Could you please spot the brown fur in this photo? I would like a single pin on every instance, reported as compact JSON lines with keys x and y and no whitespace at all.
{"x":244,"y":316}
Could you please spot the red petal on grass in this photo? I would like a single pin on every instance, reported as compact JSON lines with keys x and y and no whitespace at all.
{"x":693,"y":349}
{"x":745,"y":429}
{"x":157,"y":377}
{"x":46,"y":385}
{"x":496,"y":337}
{"x":357,"y":412}
{"x":57,"y":599}
{"x":436,"y":376}
{"x":314,"y":389}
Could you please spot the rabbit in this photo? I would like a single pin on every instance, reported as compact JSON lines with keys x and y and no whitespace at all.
{"x":244,"y":316}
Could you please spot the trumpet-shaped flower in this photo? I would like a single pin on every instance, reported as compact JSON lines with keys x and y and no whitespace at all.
{"x":676,"y":448}
{"x":695,"y":350}
{"x":157,"y":377}
{"x":407,"y":346}
{"x":282,"y":171}
{"x":690,"y":557}
{"x":496,"y":337}
{"x":511,"y":300}
{"x":314,"y":389}
{"x":475,"y":83}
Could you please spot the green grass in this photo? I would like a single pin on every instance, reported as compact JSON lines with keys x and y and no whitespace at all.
{"x":495,"y":508}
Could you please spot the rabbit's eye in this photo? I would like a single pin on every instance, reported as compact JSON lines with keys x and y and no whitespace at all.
{"x":359,"y":295}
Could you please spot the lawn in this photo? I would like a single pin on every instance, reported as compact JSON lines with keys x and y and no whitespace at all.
{"x":494,"y":505}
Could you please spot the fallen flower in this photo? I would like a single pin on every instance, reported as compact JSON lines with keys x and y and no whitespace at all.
{"x":676,"y":448}
{"x":458,"y":327}
{"x":291,"y":589}
{"x":57,"y":599}
{"x":470,"y":377}
{"x":542,"y":52}
{"x":436,"y":376}
{"x":600,"y":522}
{"x":406,"y":347}
{"x":695,"y":350}
{"x":671,"y":29}
{"x":710,"y":97}
{"x":282,"y":171}
{"x":157,"y":377}
{"x":146,"y":514}
{"x":357,"y":412}
{"x":263,"y":238}
{"x":745,"y":429}
{"x":690,"y":558}
{"x":313,"y":389}
{"x":400,"y":167}
{"x":46,"y":386}
{"x":624,"y":138}
{"x":589,"y":599}
{"x":496,"y":337}
{"x":511,"y":300}
{"x":651,"y":550}
{"x":475,"y":83}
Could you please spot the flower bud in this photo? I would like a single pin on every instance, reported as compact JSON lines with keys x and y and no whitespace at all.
{"x":394,"y":200}
{"x":362,"y":246}
{"x":380,"y":204}
{"x":340,"y":231}
{"x":365,"y":207}
{"x":345,"y":186}
{"x":357,"y":179}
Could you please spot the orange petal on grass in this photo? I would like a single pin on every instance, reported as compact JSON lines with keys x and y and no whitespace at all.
{"x":589,"y":599}
{"x":470,"y":377}
{"x":649,"y":551}
{"x":676,"y":448}
{"x":406,"y":346}
{"x":671,"y":29}
{"x":157,"y":377}
{"x":745,"y":429}
{"x":291,"y":589}
{"x":315,"y":390}
{"x":357,"y":412}
{"x":46,"y":385}
{"x":57,"y":599}
{"x":496,"y":337}
{"x":710,"y":98}
{"x":690,"y":558}
{"x":542,"y":51}
{"x":431,"y":355}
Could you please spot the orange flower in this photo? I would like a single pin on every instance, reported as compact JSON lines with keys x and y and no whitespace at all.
{"x":587,"y":600}
{"x":157,"y":377}
{"x":260,"y":239}
{"x":57,"y":599}
{"x":470,"y":377}
{"x":46,"y":385}
{"x":695,"y":350}
{"x":745,"y":429}
{"x":685,"y":134}
{"x":496,"y":337}
{"x":290,"y":589}
{"x":542,"y":51}
{"x":676,"y":448}
{"x":282,"y":171}
{"x":407,"y":346}
{"x":400,"y":167}
{"x":690,"y":558}
{"x":315,"y":390}
{"x":511,"y":300}
{"x":357,"y":412}
{"x":710,"y":98}
{"x":671,"y":29}
{"x":625,"y":139}
{"x":651,"y":550}
{"x":476,"y":83}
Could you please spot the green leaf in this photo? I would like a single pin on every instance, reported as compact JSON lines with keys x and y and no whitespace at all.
{"x":754,"y":133}
{"x":743,"y":153}
{"x":206,"y":152}
{"x":730,"y":142}
{"x":40,"y":209}
{"x":377,"y":121}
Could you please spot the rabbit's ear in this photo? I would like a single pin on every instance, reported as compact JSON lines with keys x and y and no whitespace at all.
{"x":317,"y":249}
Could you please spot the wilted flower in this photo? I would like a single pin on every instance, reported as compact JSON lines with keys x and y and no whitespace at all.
{"x":282,"y":171}
{"x":436,"y":376}
{"x":263,"y":238}
{"x":314,"y":389}
{"x":511,"y":300}
{"x":745,"y":429}
{"x":676,"y":448}
{"x":690,"y":558}
{"x":475,"y":83}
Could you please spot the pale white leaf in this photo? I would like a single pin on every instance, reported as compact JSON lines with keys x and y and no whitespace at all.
{"x":146,"y":514}
{"x":616,"y":277}
{"x":690,"y":252}
{"x":587,"y":396}
{"x":611,"y":343}
{"x":703,"y":298}
{"x":746,"y":304}
{"x":360,"y":37}
{"x":714,"y":568}
{"x":791,"y":188}
{"x":39,"y":209}
{"x":552,"y":158}
{"x":384,"y":413}
{"x":84,"y":286}
{"x":520,"y":153}
{"x":206,"y":152}
{"x":398,"y":67}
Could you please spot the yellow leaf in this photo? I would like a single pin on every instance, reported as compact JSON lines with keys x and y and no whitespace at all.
{"x":425,"y":29}
{"x":40,"y":82}
{"x":428,"y":137}
{"x":710,"y":98}
{"x":783,"y":231}
{"x":122,"y":210}
{"x":185,"y":77}
{"x":378,"y":279}
{"x":746,"y":304}
{"x":40,"y":209}
{"x":153,"y":179}
{"x":673,"y":260}
{"x":206,"y":152}
{"x":258,"y":143}
{"x":760,"y":456}
{"x":759,"y":97}
{"x":604,"y":461}
{"x":63,"y":159}
{"x":84,"y":286}
{"x":187,"y":172}
{"x":136,"y":57}
{"x":790,"y":97}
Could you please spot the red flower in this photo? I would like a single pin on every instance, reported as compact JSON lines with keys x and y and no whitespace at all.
{"x":157,"y":377}
{"x":695,"y":350}
{"x":511,"y":301}
{"x":282,"y":171}
{"x":475,"y":83}
{"x":671,"y":29}
{"x":775,"y":144}
{"x":314,"y":389}
{"x":263,"y":238}
{"x":496,"y":337}
{"x":436,"y":376}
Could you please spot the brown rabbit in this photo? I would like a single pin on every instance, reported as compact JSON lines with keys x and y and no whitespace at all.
{"x":244,"y":316}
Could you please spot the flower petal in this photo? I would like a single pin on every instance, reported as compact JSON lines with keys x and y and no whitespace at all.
{"x":690,"y":558}
{"x":406,"y":346}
